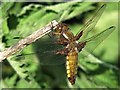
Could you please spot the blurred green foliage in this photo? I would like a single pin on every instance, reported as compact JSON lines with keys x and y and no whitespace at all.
{"x":19,"y":19}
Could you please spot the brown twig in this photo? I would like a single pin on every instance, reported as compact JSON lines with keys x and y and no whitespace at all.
{"x":28,"y":40}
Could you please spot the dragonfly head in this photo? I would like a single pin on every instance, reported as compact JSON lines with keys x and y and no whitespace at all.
{"x":61,"y":27}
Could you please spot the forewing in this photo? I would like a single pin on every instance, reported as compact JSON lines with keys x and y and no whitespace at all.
{"x":91,"y":23}
{"x":95,"y":40}
{"x":44,"y":51}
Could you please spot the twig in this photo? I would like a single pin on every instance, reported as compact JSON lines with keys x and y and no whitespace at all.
{"x":28,"y":40}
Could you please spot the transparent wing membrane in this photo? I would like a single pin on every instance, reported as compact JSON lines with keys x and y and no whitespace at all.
{"x":92,"y":22}
{"x":45,"y":58}
{"x":95,"y":40}
{"x":44,"y":50}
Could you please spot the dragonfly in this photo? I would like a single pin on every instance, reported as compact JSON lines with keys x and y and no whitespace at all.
{"x":70,"y":45}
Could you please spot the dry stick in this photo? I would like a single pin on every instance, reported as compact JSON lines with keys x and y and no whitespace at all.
{"x":28,"y":40}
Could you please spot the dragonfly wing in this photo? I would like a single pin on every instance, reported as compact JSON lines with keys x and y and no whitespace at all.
{"x":91,"y":23}
{"x":44,"y":50}
{"x":95,"y":40}
{"x":45,"y":58}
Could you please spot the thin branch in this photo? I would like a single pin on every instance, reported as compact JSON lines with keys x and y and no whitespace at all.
{"x":28,"y":40}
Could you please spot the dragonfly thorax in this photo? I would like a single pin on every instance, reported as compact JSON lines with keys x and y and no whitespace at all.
{"x":72,"y":45}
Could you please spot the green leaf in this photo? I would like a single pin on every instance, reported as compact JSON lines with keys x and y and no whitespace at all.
{"x":5,"y":7}
{"x":23,"y":73}
{"x":9,"y":82}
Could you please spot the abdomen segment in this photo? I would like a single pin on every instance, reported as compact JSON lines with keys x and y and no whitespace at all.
{"x":71,"y":65}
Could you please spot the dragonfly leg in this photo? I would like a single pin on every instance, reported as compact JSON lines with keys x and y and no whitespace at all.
{"x":62,"y":51}
{"x":81,"y":45}
{"x":77,"y":37}
{"x":62,"y":41}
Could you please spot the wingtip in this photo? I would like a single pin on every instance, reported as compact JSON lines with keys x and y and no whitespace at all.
{"x":104,"y":5}
{"x":112,"y":27}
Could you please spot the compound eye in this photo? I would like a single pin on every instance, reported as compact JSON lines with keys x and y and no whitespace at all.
{"x":58,"y":29}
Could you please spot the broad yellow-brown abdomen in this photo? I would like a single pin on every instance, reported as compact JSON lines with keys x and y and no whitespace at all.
{"x":71,"y":65}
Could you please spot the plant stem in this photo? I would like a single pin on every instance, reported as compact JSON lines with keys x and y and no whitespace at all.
{"x":27,"y":40}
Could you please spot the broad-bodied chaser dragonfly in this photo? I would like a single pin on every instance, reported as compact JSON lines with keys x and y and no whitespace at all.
{"x":71,"y":45}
